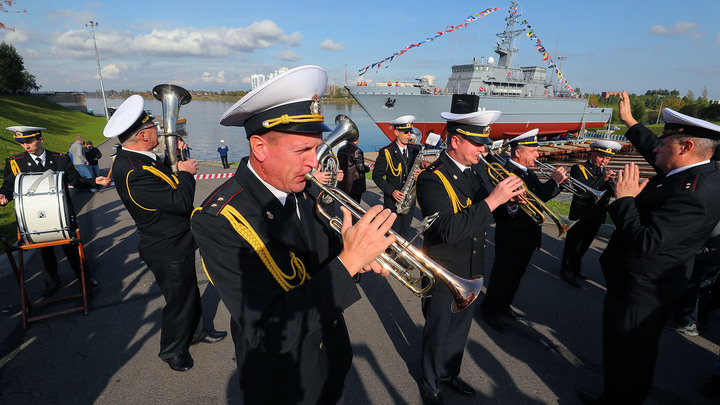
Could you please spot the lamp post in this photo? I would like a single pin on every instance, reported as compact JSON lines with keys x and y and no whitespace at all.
{"x":92,"y":25}
{"x":561,"y":59}
{"x":660,"y":110}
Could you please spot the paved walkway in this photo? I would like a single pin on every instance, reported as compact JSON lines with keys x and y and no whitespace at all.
{"x":110,"y":355}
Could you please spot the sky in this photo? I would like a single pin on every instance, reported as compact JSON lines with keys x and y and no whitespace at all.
{"x":609,"y":45}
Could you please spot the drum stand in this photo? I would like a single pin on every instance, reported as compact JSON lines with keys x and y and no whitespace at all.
{"x":20,"y":277}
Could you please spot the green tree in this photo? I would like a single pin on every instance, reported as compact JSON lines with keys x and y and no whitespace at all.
{"x":637,"y":107}
{"x":13,"y":76}
{"x":704,"y":95}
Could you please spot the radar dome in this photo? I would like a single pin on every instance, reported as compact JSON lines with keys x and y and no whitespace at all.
{"x":491,"y":60}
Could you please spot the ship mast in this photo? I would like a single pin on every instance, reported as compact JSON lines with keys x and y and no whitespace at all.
{"x":505,"y":48}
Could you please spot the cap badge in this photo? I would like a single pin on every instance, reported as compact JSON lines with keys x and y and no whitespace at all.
{"x":315,"y":107}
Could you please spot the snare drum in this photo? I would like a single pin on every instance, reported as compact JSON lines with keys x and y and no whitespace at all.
{"x":41,"y":207}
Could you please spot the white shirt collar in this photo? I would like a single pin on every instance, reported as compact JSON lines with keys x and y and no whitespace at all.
{"x":280,"y":195}
{"x":148,"y":154}
{"x":682,"y":169}
{"x":523,"y":168}
{"x":461,"y":167}
{"x":402,"y":149}
{"x":42,"y":157}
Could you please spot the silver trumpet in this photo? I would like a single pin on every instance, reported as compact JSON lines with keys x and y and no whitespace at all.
{"x":172,"y":98}
{"x":464,"y":292}
{"x":572,"y":185}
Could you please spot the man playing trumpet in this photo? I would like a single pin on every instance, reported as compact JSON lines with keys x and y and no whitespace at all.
{"x":456,"y":186}
{"x":517,"y":235}
{"x":282,"y":273}
{"x":589,"y":213}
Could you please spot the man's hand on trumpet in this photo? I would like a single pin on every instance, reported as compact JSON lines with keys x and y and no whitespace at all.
{"x":364,"y":241}
{"x":506,"y":190}
{"x":559,"y":175}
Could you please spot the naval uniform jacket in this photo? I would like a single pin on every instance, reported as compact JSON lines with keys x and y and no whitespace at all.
{"x":58,"y":162}
{"x":292,"y":347}
{"x":159,"y":201}
{"x":657,"y":234}
{"x":385,"y":173}
{"x":646,"y":265}
{"x":584,"y":206}
{"x":352,"y":162}
{"x":457,"y":238}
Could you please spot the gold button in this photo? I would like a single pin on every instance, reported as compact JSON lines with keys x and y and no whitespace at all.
{"x":213,"y":205}
{"x":221,"y":199}
{"x":321,"y":345}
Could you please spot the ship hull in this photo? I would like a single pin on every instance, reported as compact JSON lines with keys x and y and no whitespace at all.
{"x":552,"y":116}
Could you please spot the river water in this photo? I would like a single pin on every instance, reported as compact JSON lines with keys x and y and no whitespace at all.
{"x":205,"y":131}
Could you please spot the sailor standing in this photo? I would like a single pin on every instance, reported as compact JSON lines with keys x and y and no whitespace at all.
{"x":392,"y":168}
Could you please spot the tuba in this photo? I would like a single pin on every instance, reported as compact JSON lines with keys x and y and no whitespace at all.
{"x":464,"y":292}
{"x":172,"y":97}
{"x":345,"y":129}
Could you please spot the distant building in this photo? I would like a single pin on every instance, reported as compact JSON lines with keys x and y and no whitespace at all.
{"x":257,"y":80}
{"x":714,"y":101}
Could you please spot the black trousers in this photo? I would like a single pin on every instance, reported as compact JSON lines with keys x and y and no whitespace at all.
{"x":630,"y":345}
{"x":444,"y":338}
{"x":578,"y":240}
{"x":182,"y":314}
{"x":50,"y":263}
{"x":224,"y":161}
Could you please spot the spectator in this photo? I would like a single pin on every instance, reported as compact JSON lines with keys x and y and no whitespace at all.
{"x":93,"y":155}
{"x":78,"y":157}
{"x":223,"y":151}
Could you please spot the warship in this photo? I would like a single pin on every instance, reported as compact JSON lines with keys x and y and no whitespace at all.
{"x":525,"y":97}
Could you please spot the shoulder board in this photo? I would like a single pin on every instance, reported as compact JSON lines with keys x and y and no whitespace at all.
{"x":434,"y":166}
{"x":387,"y":146}
{"x":55,"y":153}
{"x":18,"y":156}
{"x":688,"y":183}
{"x":221,"y":197}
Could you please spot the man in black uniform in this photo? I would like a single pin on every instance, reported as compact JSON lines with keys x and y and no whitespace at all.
{"x":161,"y":202}
{"x":589,"y":213}
{"x":517,"y":236}
{"x":660,"y":224}
{"x":391,"y":170}
{"x":279,"y":270}
{"x":352,"y":163}
{"x":457,"y":187}
{"x":38,"y":159}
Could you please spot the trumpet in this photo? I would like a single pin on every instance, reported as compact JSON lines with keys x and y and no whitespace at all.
{"x":572,"y":185}
{"x":534,"y":207}
{"x":463,"y":291}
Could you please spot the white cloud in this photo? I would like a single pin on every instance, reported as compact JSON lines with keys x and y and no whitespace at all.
{"x":329,"y":45}
{"x":680,"y":28}
{"x":218,"y":77}
{"x":288,"y":55}
{"x":112,"y":71}
{"x":206,"y":42}
{"x":246,"y":79}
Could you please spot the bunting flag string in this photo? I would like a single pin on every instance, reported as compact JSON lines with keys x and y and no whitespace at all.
{"x":546,"y":56}
{"x":451,"y":28}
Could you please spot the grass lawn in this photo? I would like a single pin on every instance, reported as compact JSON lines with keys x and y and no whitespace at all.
{"x":62,"y":124}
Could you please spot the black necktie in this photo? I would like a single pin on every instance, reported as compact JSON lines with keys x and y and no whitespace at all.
{"x":39,"y":163}
{"x":291,"y":205}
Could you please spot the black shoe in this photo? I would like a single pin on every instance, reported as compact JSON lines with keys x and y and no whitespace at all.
{"x":582,"y":276}
{"x":570,"y":279}
{"x":495,"y":323}
{"x":460,"y":386}
{"x":588,"y":398}
{"x":428,"y":398}
{"x":515,"y":315}
{"x":211,"y":337}
{"x":181,"y":362}
{"x":50,"y":291}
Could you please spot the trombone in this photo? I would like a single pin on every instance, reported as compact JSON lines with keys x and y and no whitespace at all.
{"x":534,"y":207}
{"x":572,"y":185}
